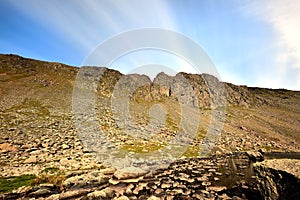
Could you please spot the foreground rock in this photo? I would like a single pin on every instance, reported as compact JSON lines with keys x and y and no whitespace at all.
{"x":226,"y":177}
{"x":223,"y":177}
{"x":279,"y":178}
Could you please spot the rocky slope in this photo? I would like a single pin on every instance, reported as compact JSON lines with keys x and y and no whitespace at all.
{"x":38,"y":135}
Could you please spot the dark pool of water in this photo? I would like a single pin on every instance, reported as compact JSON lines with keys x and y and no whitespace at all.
{"x":281,"y":155}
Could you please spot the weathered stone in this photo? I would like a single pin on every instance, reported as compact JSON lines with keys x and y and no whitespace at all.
{"x":84,"y":180}
{"x":7,"y":146}
{"x":64,"y":161}
{"x":73,"y":194}
{"x":31,"y":160}
{"x":65,"y":146}
{"x":154,"y":198}
{"x":122,"y":198}
{"x":114,"y":181}
{"x":255,"y":156}
{"x":108,"y":171}
{"x":165,"y":186}
{"x":97,"y":195}
{"x":216,"y":188}
{"x":40,"y":192}
{"x":129,"y":173}
{"x":278,"y":178}
{"x":23,"y":189}
{"x":53,"y":197}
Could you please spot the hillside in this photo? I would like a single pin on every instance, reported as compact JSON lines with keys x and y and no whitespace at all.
{"x":38,"y":132}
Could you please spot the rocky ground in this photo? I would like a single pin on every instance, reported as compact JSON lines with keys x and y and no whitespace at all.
{"x":225,"y":177}
{"x":43,"y":154}
{"x":50,"y":149}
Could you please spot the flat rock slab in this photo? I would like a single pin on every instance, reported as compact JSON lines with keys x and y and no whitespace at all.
{"x":129,"y":173}
{"x":291,"y":166}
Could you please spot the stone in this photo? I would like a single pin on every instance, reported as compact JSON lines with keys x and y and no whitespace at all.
{"x":53,"y":197}
{"x":23,"y":189}
{"x":216,"y":188}
{"x":113,"y":181}
{"x":129,"y":173}
{"x":137,"y":189}
{"x":31,"y":160}
{"x":40,"y":192}
{"x":108,"y":171}
{"x":154,"y":198}
{"x":73,"y":193}
{"x":84,"y":180}
{"x":97,"y":195}
{"x":64,"y":161}
{"x":224,"y":197}
{"x":7,"y":146}
{"x":35,"y":153}
{"x":109,"y":192}
{"x":159,"y":191}
{"x":255,"y":156}
{"x":65,"y":146}
{"x":122,"y":198}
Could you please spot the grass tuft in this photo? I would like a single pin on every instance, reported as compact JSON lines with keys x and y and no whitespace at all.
{"x":14,"y":182}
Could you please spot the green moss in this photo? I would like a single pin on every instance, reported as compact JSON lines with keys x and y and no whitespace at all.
{"x":269,"y":148}
{"x":139,"y":147}
{"x":172,"y":123}
{"x":11,"y":183}
{"x":192,"y":151}
{"x":51,"y":170}
{"x":31,"y":107}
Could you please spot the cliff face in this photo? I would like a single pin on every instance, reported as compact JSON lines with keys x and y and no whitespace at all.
{"x":204,"y":91}
{"x":50,"y":81}
{"x":278,"y":178}
{"x":200,"y":90}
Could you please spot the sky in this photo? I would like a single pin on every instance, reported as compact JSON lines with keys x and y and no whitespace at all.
{"x":254,"y":43}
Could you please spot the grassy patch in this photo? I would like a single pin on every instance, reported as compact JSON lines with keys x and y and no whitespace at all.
{"x":55,"y":179}
{"x":269,"y":148}
{"x":139,"y":147}
{"x":11,"y":183}
{"x":192,"y":151}
{"x":31,"y":107}
{"x":50,"y":175}
{"x":51,"y":170}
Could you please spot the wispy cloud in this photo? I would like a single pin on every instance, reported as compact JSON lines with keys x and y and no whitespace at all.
{"x":258,"y":56}
{"x":87,"y":23}
{"x":284,"y":18}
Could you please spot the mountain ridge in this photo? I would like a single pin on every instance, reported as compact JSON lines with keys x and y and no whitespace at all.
{"x":50,"y":85}
{"x":236,"y":95}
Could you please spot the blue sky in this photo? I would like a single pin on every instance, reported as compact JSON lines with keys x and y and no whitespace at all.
{"x":253,"y":43}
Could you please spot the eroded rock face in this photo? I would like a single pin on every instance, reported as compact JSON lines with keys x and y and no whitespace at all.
{"x":279,"y":178}
{"x":200,"y":90}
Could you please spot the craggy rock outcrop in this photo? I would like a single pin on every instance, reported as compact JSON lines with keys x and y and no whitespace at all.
{"x":279,"y":178}
{"x":204,"y":90}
